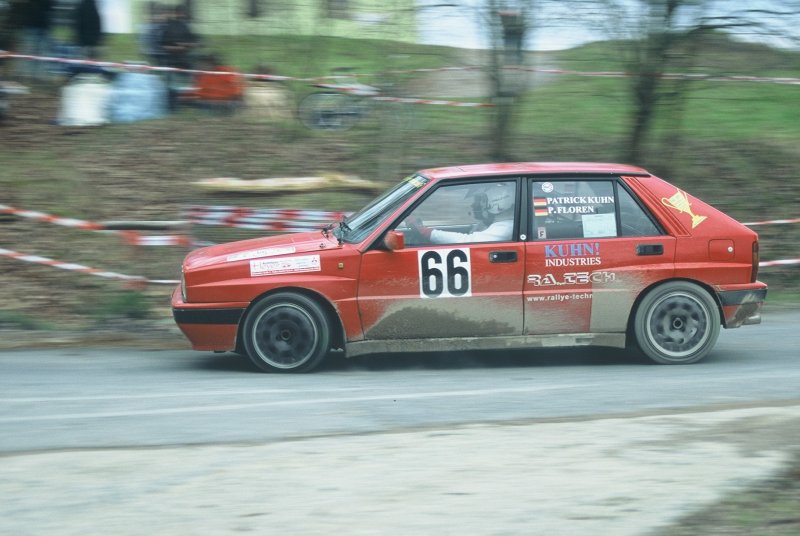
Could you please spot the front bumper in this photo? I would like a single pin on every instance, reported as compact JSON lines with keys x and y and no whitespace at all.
{"x":208,"y":326}
{"x":741,"y":306}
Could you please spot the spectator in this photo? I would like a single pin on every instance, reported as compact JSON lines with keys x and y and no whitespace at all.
{"x":150,"y":34}
{"x":223,"y":90}
{"x":88,"y":28}
{"x":178,"y":41}
{"x":36,"y":18}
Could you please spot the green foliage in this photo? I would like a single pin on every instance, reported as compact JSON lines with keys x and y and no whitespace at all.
{"x":131,"y":304}
{"x":19,"y":320}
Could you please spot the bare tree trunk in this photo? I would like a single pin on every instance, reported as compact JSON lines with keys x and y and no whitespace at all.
{"x":507,"y":31}
{"x":649,"y":66}
{"x":645,"y":101}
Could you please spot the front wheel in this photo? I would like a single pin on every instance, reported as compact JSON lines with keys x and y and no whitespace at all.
{"x":676,"y":323}
{"x":286,"y":332}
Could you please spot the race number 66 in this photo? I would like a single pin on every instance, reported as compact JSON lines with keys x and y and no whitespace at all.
{"x":444,"y":273}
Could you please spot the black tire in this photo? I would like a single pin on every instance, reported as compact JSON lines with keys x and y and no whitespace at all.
{"x":330,"y":111}
{"x":286,"y":332}
{"x":676,"y":323}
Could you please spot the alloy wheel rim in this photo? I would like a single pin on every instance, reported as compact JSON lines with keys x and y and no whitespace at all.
{"x":678,"y":324}
{"x":285,"y":336}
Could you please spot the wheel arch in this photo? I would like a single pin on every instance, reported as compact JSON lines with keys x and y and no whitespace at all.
{"x":334,"y":320}
{"x":635,"y":307}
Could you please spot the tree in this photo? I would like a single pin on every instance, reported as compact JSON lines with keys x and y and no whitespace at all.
{"x":505,"y":25}
{"x":669,"y":34}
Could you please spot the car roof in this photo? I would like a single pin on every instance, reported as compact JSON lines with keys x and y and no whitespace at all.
{"x":516,"y":168}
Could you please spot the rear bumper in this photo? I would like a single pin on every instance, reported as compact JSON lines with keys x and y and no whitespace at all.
{"x":210,"y":327}
{"x":741,"y":306}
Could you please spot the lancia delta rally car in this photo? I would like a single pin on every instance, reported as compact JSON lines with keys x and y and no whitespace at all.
{"x":484,"y":257}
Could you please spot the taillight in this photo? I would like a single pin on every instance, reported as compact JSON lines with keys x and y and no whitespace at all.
{"x":756,"y":260}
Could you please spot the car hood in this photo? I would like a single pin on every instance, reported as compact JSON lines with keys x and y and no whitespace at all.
{"x":257,"y":248}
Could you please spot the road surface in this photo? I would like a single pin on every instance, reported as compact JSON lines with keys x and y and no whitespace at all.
{"x":582,"y":441}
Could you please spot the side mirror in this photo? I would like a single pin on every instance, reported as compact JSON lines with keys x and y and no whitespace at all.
{"x":394,"y":240}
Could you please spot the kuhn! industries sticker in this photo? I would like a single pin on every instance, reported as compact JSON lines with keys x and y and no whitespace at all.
{"x":257,"y":253}
{"x":305,"y":263}
{"x":573,"y":254}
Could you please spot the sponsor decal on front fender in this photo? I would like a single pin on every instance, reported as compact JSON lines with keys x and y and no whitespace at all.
{"x":444,"y":273}
{"x":304,"y":263}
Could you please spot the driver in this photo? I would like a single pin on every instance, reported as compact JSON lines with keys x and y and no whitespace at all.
{"x":493,"y":208}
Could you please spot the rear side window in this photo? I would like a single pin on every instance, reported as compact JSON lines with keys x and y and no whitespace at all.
{"x":567,"y":209}
{"x":634,"y":221}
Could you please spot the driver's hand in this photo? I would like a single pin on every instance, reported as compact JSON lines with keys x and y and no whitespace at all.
{"x":415,"y":224}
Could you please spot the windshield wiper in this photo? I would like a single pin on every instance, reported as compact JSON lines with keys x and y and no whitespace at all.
{"x":343,"y":230}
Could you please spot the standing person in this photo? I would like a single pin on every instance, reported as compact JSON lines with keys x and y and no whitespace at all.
{"x":36,"y":18}
{"x":177,"y":42}
{"x":88,"y":28}
{"x":150,"y":34}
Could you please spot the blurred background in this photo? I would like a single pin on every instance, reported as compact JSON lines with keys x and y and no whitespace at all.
{"x":128,"y":152}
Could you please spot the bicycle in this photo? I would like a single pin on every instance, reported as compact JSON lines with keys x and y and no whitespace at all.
{"x":340,"y":106}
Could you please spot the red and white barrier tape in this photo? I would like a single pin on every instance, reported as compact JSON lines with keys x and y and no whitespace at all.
{"x":48,"y":218}
{"x":131,"y":237}
{"x":700,"y":77}
{"x":355,"y":89}
{"x":771,"y":222}
{"x":36,"y":259}
{"x":783,"y":262}
{"x":262,"y":219}
{"x":135,"y":239}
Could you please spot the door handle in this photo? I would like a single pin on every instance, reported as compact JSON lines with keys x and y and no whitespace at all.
{"x":503,"y":256}
{"x":649,"y":249}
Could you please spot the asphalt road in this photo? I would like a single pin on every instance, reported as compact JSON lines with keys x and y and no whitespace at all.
{"x":90,"y":398}
{"x":131,"y":442}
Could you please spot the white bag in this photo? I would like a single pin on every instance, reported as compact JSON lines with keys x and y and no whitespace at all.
{"x":84,"y":101}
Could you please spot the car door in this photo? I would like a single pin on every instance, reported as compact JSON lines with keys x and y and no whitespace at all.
{"x":593,"y":249}
{"x":469,"y":284}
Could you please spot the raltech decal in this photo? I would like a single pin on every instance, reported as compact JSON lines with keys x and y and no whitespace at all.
{"x":680,"y":202}
{"x":445,"y":273}
{"x":578,"y":254}
{"x":571,"y":278}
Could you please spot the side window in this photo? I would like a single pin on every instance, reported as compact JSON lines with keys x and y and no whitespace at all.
{"x":461,"y":213}
{"x":633,"y":219}
{"x":565,"y":209}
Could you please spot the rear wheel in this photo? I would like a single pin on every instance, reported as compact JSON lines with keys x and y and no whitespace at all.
{"x":286,"y":332}
{"x":676,"y":323}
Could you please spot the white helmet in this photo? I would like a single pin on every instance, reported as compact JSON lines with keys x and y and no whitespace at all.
{"x":499,"y":197}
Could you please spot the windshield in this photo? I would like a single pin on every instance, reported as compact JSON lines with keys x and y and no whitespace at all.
{"x":357,"y":227}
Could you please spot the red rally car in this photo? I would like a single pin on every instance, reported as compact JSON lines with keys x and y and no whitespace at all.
{"x":484,"y":257}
